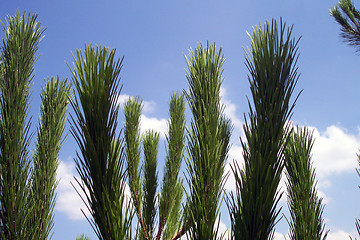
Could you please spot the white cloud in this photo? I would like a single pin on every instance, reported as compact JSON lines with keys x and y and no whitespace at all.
{"x":122,"y":99}
{"x":156,"y":124}
{"x":235,"y":154}
{"x":280,"y":236}
{"x":68,"y":201}
{"x":338,"y":235}
{"x":159,"y":125}
{"x":223,"y":229}
{"x":230,"y":112}
{"x":334,"y":152}
{"x":148,"y":106}
{"x":332,"y":235}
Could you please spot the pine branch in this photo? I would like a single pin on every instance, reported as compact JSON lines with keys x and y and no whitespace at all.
{"x":18,"y":51}
{"x":171,"y":191}
{"x":55,"y":99}
{"x":305,"y":206}
{"x":273,"y":76}
{"x":132,"y":111}
{"x":150,"y":183}
{"x":348,"y":17}
{"x":100,"y":166}
{"x":208,"y":141}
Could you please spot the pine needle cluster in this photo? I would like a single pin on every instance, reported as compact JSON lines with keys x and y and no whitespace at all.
{"x":273,"y":76}
{"x":22,"y":35}
{"x":208,"y":142}
{"x":143,"y":177}
{"x":348,"y":17}
{"x":100,"y":162}
{"x":27,"y":186}
{"x":172,"y":185}
{"x":55,"y":99}
{"x":305,"y":206}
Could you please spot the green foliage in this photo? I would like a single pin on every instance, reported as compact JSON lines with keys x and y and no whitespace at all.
{"x":82,"y":237}
{"x":305,"y":207}
{"x":208,"y":142}
{"x":150,"y":182}
{"x":172,"y":186}
{"x":348,"y":17}
{"x":22,"y":36}
{"x":55,"y":98}
{"x":273,"y":76}
{"x":144,"y":198}
{"x":132,"y":111}
{"x":96,"y":80}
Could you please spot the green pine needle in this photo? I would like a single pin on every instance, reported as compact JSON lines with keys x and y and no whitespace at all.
{"x":100,"y":162}
{"x":273,"y":76}
{"x":208,"y":145}
{"x":18,"y":53}
{"x":172,"y":189}
{"x":150,"y":180}
{"x":55,"y":98}
{"x":305,"y":206}
{"x":348,"y":17}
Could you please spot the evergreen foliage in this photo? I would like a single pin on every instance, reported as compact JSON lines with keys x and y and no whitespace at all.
{"x":208,"y":145}
{"x":145,"y":199}
{"x":55,"y":98}
{"x":100,"y":162}
{"x":132,"y":112}
{"x":19,"y":47}
{"x":150,"y":182}
{"x":305,"y":206}
{"x":172,"y":186}
{"x":348,"y":17}
{"x":82,"y":237}
{"x":27,"y":188}
{"x":273,"y":76}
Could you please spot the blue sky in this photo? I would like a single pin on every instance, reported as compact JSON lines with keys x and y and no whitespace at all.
{"x":154,"y":36}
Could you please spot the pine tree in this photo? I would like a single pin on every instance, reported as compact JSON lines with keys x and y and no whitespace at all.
{"x":208,"y":145}
{"x":100,"y":160}
{"x":273,"y":76}
{"x":305,"y":206}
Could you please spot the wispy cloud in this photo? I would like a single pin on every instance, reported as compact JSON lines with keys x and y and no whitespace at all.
{"x":68,"y":200}
{"x":148,"y":106}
